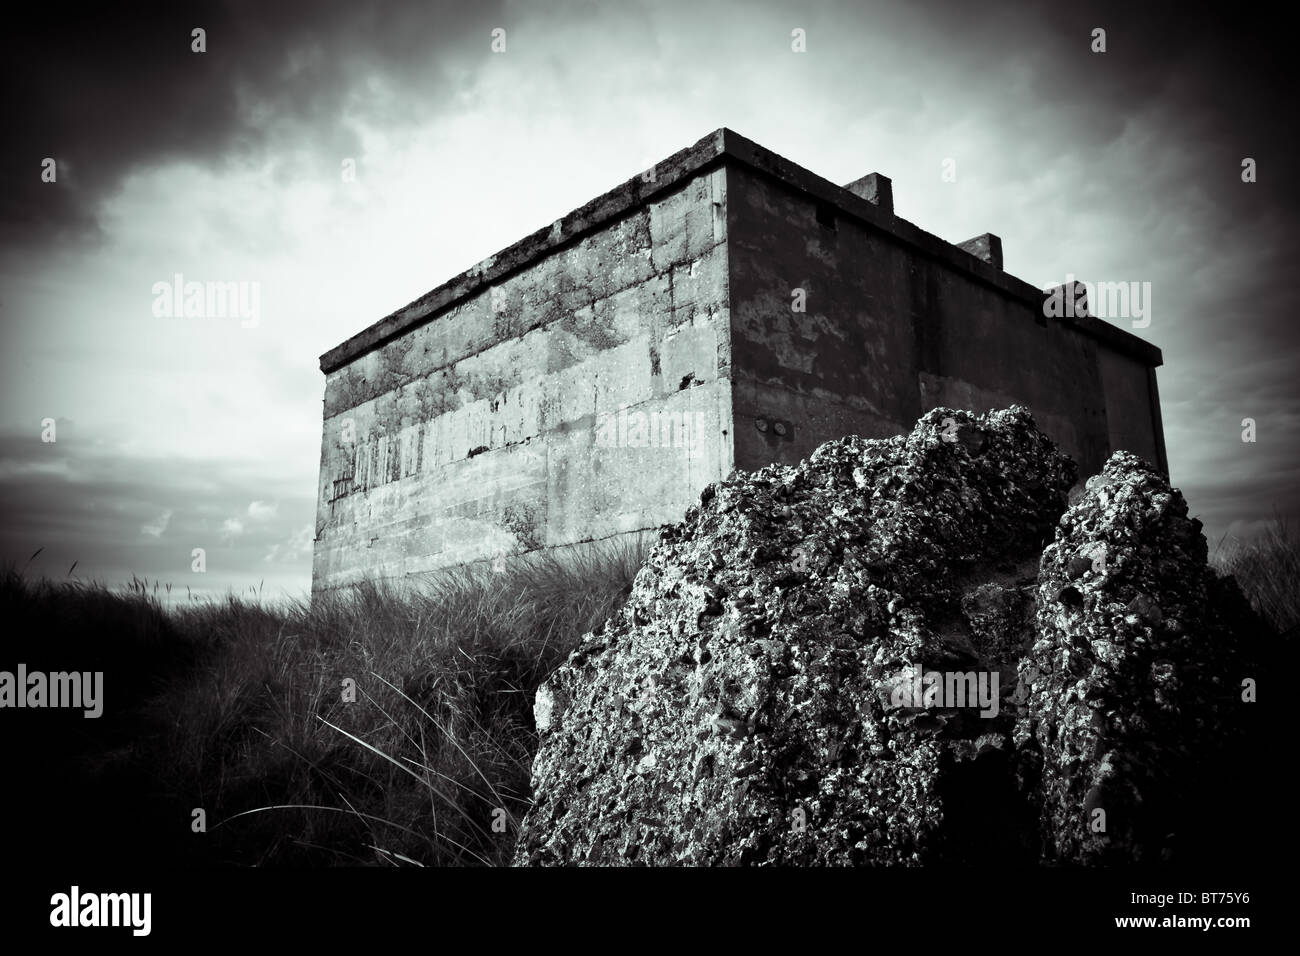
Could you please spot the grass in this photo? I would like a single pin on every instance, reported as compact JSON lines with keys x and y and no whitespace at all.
{"x":1268,"y":570}
{"x":239,"y":710}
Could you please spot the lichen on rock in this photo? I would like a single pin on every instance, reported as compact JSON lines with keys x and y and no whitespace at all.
{"x":1135,"y":672}
{"x":763,"y":698}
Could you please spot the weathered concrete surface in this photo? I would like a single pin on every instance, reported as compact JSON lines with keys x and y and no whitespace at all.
{"x":1133,"y":419}
{"x":985,"y":246}
{"x":875,"y":189}
{"x":594,"y":377}
{"x":572,"y":400}
{"x":744,"y":707}
{"x":886,"y":333}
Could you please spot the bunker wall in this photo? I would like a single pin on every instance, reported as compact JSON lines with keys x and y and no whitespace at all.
{"x":1133,"y":407}
{"x":890,"y":332}
{"x":584,"y":395}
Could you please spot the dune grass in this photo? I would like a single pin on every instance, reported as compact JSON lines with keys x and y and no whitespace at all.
{"x":242,"y":710}
{"x":1268,"y":570}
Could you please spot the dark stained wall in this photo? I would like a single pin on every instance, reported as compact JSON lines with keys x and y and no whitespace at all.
{"x":890,"y":332}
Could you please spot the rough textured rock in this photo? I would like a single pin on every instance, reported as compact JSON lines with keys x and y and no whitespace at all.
{"x":753,"y":702}
{"x":1136,"y":671}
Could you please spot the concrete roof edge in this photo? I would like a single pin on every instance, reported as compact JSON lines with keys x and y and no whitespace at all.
{"x":671,"y":172}
{"x":765,"y":161}
{"x":628,"y":195}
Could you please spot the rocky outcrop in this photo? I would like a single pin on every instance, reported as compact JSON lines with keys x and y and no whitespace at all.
{"x":1135,"y":677}
{"x":857,"y":660}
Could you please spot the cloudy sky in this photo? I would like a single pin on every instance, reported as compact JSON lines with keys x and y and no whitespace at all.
{"x":180,"y":433}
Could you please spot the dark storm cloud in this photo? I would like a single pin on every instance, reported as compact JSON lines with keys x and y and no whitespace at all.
{"x":1215,"y":74}
{"x":1209,"y":87}
{"x":114,"y":515}
{"x":109,"y":88}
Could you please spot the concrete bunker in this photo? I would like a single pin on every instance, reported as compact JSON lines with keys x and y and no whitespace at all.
{"x":728,"y":299}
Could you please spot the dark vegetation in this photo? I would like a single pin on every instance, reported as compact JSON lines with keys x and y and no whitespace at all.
{"x":237,"y":709}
